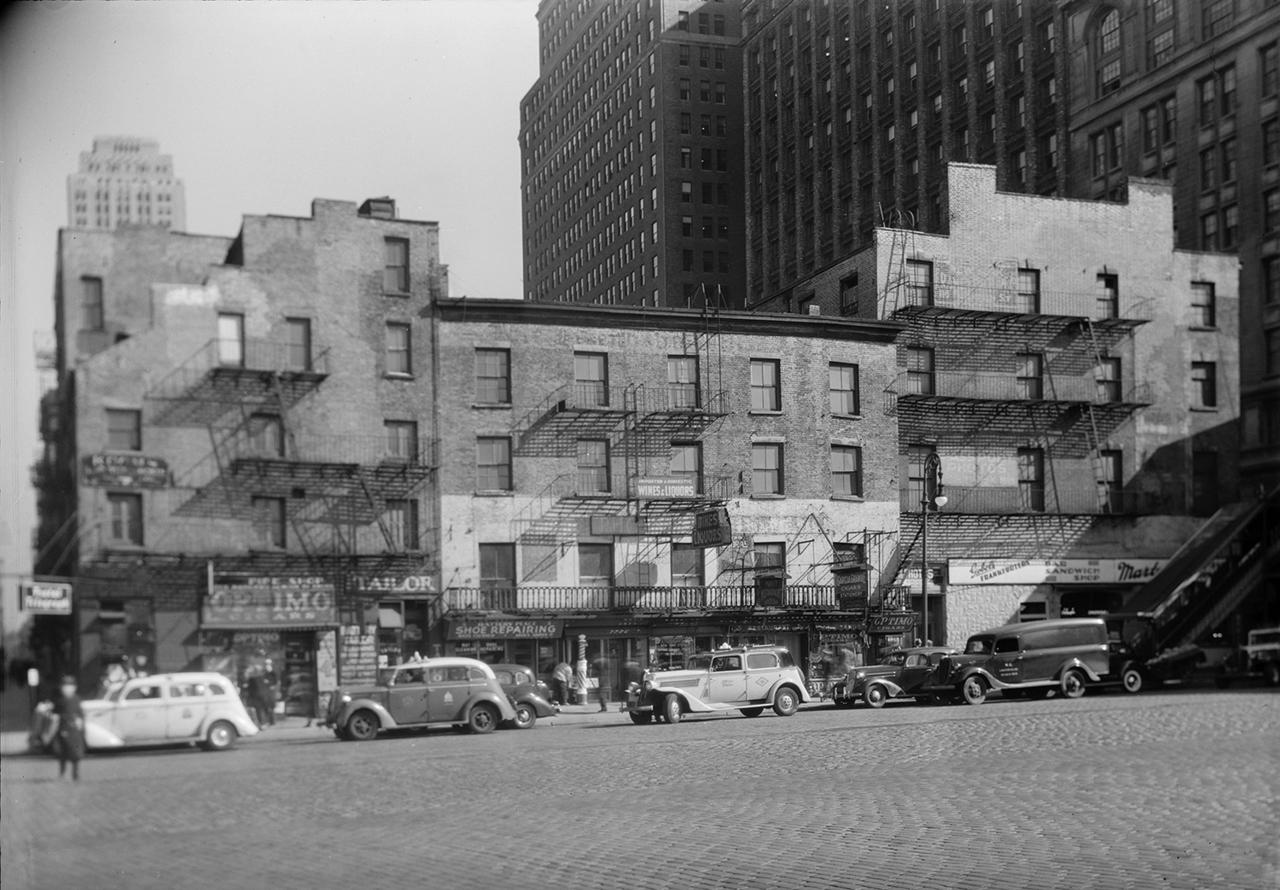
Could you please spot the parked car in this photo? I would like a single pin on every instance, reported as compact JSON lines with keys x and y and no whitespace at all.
{"x":529,"y":696}
{"x":901,"y":675}
{"x":449,"y":691}
{"x":746,"y":679}
{"x":1259,"y":658}
{"x":1136,"y":658}
{"x":1032,"y":658}
{"x":164,"y":709}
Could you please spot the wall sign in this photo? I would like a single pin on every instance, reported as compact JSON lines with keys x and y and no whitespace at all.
{"x":46,"y":598}
{"x":1053,"y":571}
{"x":504,"y":629}
{"x":892,"y":623}
{"x":396,"y":585}
{"x":666,"y":487}
{"x":124,"y":471}
{"x":262,"y":601}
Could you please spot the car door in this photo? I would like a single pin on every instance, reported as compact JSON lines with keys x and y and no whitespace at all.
{"x":1007,"y":659}
{"x":140,"y":715}
{"x":407,"y":696}
{"x":916,"y":668}
{"x":727,"y":680}
{"x":185,"y":709}
{"x":447,"y":692}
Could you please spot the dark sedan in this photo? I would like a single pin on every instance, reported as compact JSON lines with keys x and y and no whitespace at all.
{"x":530,"y":696}
{"x":903,"y":672}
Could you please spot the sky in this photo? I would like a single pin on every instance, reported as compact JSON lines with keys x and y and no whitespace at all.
{"x":263,"y":107}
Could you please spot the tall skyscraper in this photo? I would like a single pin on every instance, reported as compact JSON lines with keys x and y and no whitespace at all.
{"x":632,"y":154}
{"x":125,"y":179}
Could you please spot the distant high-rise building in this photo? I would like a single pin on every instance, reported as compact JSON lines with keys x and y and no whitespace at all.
{"x":632,"y":155}
{"x":125,"y":179}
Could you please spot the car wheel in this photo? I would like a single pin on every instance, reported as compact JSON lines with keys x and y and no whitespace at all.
{"x":751,"y":712}
{"x":526,"y":716}
{"x":1073,"y":683}
{"x":484,"y":718}
{"x":220,"y":737}
{"x":362,"y":726}
{"x":671,"y":708}
{"x":1271,"y":673}
{"x":874,"y":695}
{"x":786,"y":701}
{"x":974,"y":690}
{"x":641,"y":718}
{"x":1131,"y":679}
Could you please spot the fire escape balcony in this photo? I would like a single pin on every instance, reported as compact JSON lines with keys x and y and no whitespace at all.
{"x":367,"y":462}
{"x":1042,"y":498}
{"x":571,"y":412}
{"x":635,"y":600}
{"x":221,"y":376}
{"x":674,"y":412}
{"x":954,"y":302}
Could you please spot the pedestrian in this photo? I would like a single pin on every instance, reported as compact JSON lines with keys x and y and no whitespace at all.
{"x":560,"y":678}
{"x":68,"y":729}
{"x":257,"y":695}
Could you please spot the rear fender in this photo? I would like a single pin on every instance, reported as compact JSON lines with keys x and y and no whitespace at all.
{"x":802,"y":689}
{"x":1077,"y":663}
{"x":505,"y":709}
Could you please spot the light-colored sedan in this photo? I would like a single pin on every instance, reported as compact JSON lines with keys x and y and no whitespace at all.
{"x":184,"y":708}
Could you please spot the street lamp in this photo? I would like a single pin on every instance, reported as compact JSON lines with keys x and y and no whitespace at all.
{"x":931,"y":498}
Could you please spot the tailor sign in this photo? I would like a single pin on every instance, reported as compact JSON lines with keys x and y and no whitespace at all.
{"x":255,"y":602}
{"x":47,"y":598}
{"x":124,"y":471}
{"x":1053,"y":571}
{"x":396,"y":585}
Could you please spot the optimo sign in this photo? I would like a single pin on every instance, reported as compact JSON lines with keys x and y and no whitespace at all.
{"x":1052,"y":571}
{"x":267,"y":601}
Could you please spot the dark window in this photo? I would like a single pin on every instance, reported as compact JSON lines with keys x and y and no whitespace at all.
{"x":266,"y":435}
{"x":1204,"y":483}
{"x":269,"y":521}
{"x":497,"y":566}
{"x":1029,"y":375}
{"x":1204,"y":384}
{"x":1269,"y":63}
{"x":1108,"y":295}
{"x":595,"y":565}
{"x":124,"y":429}
{"x":1031,"y":479}
{"x":91,"y":309}
{"x":1108,"y":379}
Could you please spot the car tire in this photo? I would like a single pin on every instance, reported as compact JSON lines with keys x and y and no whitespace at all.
{"x":974,"y":690}
{"x":875,"y":695}
{"x":526,"y":716}
{"x":671,"y":708}
{"x":786,"y":701}
{"x":221,"y":736}
{"x":1131,"y":680}
{"x":751,"y":712}
{"x":1073,"y":683}
{"x":1271,"y":673}
{"x":362,"y":726}
{"x":483,"y":718}
{"x":641,"y":718}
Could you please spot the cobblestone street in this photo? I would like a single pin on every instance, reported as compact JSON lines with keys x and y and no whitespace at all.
{"x":1171,"y":790}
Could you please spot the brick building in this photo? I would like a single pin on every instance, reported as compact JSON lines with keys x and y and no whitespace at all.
{"x":631,"y":155}
{"x":1075,"y":374}
{"x":585,"y":443}
{"x":124,"y":179}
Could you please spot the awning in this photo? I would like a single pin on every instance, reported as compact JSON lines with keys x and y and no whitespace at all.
{"x":389,"y":618}
{"x":264,"y":628}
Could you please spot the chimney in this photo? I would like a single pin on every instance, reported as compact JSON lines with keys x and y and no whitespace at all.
{"x":379,"y":208}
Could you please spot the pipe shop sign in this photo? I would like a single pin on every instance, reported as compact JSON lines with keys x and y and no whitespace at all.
{"x":266,"y":601}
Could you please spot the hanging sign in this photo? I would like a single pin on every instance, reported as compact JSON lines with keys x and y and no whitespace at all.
{"x":46,"y":598}
{"x":892,"y":622}
{"x":711,"y":528}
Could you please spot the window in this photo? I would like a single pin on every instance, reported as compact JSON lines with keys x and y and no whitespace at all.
{"x":401,"y":440}
{"x":1029,"y":375}
{"x":1204,"y":483}
{"x":1271,"y":141}
{"x":1228,"y":160}
{"x":682,"y":21}
{"x":1204,"y":384}
{"x":493,"y":463}
{"x":1169,"y":119}
{"x":399,"y":349}
{"x":1209,"y":231}
{"x":1107,"y":54}
{"x":1230,"y":227}
{"x":1150,"y":117}
{"x":230,"y":340}
{"x":269,"y":521}
{"x":770,"y":556}
{"x":1207,"y":92}
{"x":593,"y":466}
{"x":395,"y":274}
{"x":686,"y":192}
{"x":591,"y":379}
{"x":1272,"y":343}
{"x":497,"y":566}
{"x":919,"y":283}
{"x":849,"y":294}
{"x":686,"y":463}
{"x":124,"y":429}
{"x":766,"y":468}
{"x":493,"y":376}
{"x":1161,"y":48}
{"x":1108,"y":379}
{"x":92,"y":317}
{"x":765,"y":390}
{"x":595,"y":565}
{"x":920,"y":370}
{"x":1209,"y":169}
{"x":1271,"y":210}
{"x":843,"y":397}
{"x":682,"y":381}
{"x":688,"y":567}
{"x":1108,"y":298}
{"x":1271,"y":280}
{"x":1111,"y":467}
{"x":1269,"y":63}
{"x":846,"y":471}
{"x":686,"y":89}
{"x":1028,"y":296}
{"x":1031,"y":479}
{"x":402,"y":524}
{"x":266,"y":435}
{"x":297,"y":344}
{"x":1216,"y":16}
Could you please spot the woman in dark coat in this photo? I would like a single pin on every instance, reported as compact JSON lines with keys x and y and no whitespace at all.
{"x":69,"y":734}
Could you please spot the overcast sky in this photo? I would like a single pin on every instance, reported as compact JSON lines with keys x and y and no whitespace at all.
{"x":263,"y":107}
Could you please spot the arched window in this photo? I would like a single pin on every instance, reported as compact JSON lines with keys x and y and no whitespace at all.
{"x":1106,"y":53}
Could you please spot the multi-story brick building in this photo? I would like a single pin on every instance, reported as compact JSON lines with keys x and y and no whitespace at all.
{"x":632,"y":157}
{"x":585,"y":445}
{"x":1075,"y":375}
{"x":125,"y":179}
{"x":240,"y":442}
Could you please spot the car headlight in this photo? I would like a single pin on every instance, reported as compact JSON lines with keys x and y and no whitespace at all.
{"x":345,"y":698}
{"x":860,"y":675}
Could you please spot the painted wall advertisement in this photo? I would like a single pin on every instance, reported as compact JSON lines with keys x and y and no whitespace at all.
{"x":124,"y":471}
{"x":1053,"y":571}
{"x":249,"y":601}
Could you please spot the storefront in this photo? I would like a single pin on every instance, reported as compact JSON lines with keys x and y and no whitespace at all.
{"x":532,"y":642}
{"x":403,"y":607}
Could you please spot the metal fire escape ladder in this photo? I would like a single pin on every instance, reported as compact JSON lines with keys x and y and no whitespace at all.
{"x":1095,"y":440}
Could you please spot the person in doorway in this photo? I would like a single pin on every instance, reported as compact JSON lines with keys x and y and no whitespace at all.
{"x":257,"y":694}
{"x":68,"y":729}
{"x":560,"y":678}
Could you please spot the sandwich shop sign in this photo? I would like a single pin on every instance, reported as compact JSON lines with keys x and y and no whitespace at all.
{"x":1053,"y":571}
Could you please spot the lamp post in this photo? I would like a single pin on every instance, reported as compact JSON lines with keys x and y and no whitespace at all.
{"x":931,"y":498}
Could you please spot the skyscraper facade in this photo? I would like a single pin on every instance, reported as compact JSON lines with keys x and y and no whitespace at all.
{"x":125,"y":179}
{"x":631,"y":149}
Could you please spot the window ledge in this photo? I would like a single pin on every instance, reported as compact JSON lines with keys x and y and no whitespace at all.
{"x":768,"y":497}
{"x":1204,"y":409}
{"x":846,"y":416}
{"x":493,"y":493}
{"x":1202,"y":327}
{"x":397,"y":293}
{"x":777,"y":413}
{"x":397,"y":375}
{"x":489,"y":405}
{"x":853,"y":498}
